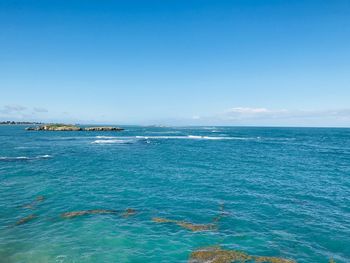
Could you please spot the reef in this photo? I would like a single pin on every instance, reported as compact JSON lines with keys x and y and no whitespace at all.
{"x":69,"y":127}
{"x":195,"y":227}
{"x":221,"y":214}
{"x":26,"y":219}
{"x":217,"y":255}
{"x":129,"y":212}
{"x":186,"y":225}
{"x":87,"y":212}
{"x":272,"y":260}
{"x":55,"y":127}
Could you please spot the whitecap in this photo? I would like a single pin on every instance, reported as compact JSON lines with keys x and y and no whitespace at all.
{"x":24,"y":158}
{"x":134,"y":139}
{"x":113,"y":141}
{"x":106,"y":137}
{"x":44,"y":156}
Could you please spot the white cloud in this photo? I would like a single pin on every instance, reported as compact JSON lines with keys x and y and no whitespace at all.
{"x":242,"y":113}
{"x":12,"y":108}
{"x":39,"y":109}
{"x":246,"y":110}
{"x":20,"y":112}
{"x":260,"y":116}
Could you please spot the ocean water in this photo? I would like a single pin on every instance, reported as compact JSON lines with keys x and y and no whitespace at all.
{"x":281,"y":192}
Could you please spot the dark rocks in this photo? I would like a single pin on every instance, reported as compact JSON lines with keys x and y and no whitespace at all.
{"x":55,"y":127}
{"x":68,"y":127}
{"x":19,"y":123}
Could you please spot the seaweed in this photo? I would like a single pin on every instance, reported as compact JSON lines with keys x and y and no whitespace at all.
{"x":87,"y":212}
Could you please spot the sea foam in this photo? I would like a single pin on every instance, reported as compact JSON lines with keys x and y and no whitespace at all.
{"x":24,"y":158}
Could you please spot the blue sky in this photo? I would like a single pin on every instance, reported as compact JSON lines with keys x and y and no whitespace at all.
{"x":176,"y":62}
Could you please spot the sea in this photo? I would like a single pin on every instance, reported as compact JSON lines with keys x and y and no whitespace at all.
{"x":158,"y":194}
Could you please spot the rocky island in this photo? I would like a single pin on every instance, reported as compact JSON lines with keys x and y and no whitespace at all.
{"x":69,"y":127}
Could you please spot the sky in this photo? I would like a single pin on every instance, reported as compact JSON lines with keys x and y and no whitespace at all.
{"x":176,"y":62}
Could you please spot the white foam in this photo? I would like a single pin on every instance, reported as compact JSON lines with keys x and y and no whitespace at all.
{"x":112,"y":141}
{"x":44,"y":156}
{"x":194,"y":137}
{"x":134,"y":139}
{"x":106,"y":137}
{"x":22,"y":158}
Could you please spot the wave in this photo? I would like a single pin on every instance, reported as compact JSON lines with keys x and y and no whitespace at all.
{"x":194,"y":137}
{"x":106,"y":137}
{"x":164,"y":132}
{"x":24,"y":158}
{"x":114,"y":141}
{"x":145,"y":138}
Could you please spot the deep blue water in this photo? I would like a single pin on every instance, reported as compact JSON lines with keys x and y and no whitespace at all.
{"x":285,"y":192}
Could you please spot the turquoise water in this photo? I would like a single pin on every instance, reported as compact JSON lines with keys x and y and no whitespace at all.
{"x":285,"y":192}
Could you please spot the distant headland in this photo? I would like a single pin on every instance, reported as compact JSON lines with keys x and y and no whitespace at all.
{"x":19,"y":123}
{"x":69,"y":127}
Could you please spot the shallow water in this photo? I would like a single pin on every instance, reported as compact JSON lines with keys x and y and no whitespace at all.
{"x":286,"y":192}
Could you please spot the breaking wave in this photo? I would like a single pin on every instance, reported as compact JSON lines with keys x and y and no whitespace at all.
{"x":24,"y":158}
{"x":113,"y":141}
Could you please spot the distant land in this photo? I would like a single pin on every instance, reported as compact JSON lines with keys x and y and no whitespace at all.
{"x":19,"y":123}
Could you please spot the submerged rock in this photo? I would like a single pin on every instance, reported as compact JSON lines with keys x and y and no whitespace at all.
{"x":272,"y":260}
{"x":26,"y":219}
{"x":219,"y":255}
{"x":40,"y":198}
{"x":87,"y":212}
{"x":129,"y":212}
{"x":186,"y":225}
{"x":33,"y":204}
{"x":222,"y":213}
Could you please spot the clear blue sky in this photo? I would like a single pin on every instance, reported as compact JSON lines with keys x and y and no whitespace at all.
{"x":176,"y":62}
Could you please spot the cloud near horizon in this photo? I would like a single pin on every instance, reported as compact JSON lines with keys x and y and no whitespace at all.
{"x":250,"y":116}
{"x":264,"y":116}
{"x":21,"y":113}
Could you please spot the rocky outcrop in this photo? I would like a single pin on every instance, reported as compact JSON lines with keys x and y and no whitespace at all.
{"x":68,"y":127}
{"x":55,"y":127}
